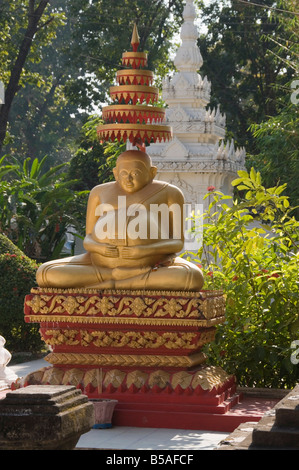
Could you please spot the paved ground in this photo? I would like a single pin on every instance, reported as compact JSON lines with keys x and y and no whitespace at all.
{"x":128,"y":438}
{"x":150,"y":439}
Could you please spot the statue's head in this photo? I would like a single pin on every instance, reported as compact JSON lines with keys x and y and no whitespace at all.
{"x":134,"y":170}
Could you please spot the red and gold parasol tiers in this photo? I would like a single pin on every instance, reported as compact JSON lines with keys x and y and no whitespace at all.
{"x":135,"y":77}
{"x":134,"y":133}
{"x":134,"y":59}
{"x":134,"y":93}
{"x":133,"y":114}
{"x":134,"y":117}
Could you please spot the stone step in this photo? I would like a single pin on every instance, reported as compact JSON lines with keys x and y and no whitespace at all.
{"x":48,"y":399}
{"x":287,"y":413}
{"x":44,"y":417}
{"x":268,"y":434}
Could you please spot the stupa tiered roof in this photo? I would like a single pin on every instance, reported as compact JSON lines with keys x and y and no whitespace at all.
{"x":134,"y":115}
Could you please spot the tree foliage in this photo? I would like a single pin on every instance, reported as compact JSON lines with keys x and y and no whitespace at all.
{"x":244,"y":40}
{"x":101,"y":32}
{"x":93,"y":162}
{"x":38,"y":208}
{"x":277,"y":140}
{"x":25,"y":28}
{"x":251,"y":251}
{"x":71,"y":63}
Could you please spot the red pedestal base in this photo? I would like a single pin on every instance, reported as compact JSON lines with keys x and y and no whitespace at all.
{"x":143,"y":349}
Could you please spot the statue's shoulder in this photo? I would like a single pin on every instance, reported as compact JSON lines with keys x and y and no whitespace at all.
{"x":171,"y":189}
{"x":103,"y":188}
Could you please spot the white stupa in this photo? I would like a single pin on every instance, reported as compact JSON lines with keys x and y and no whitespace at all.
{"x":197,"y":158}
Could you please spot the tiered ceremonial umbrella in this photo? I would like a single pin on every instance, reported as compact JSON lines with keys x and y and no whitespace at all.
{"x":135,"y":116}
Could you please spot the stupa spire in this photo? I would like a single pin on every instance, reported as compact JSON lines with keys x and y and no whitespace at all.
{"x":188,"y":57}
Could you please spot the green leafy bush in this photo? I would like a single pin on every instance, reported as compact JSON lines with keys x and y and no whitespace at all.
{"x":38,"y":208}
{"x":250,"y":250}
{"x":17,"y":277}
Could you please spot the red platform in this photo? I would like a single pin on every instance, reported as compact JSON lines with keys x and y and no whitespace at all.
{"x":248,"y":409}
{"x":143,"y":349}
{"x":229,"y":416}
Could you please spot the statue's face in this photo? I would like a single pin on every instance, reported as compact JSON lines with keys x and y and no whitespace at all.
{"x":133,"y":175}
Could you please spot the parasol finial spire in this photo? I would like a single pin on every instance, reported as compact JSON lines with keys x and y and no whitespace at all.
{"x":135,"y":41}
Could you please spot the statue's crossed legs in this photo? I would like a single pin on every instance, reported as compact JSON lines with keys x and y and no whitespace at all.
{"x":79,"y":271}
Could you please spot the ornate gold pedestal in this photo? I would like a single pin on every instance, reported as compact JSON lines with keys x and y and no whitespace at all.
{"x":141,"y":348}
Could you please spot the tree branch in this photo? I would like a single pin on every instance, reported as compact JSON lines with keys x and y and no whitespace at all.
{"x":34,"y":17}
{"x":45,"y":24}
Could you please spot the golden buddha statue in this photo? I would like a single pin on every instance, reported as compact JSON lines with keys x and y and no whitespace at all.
{"x":134,"y":251}
{"x":125,"y":250}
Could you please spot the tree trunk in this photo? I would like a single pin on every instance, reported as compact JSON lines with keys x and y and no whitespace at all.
{"x":34,"y":16}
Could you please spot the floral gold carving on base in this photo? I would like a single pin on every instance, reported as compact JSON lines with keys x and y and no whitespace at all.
{"x":203,"y":305}
{"x":128,"y":339}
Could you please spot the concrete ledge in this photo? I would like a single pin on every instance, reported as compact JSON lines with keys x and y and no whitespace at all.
{"x":270,"y":393}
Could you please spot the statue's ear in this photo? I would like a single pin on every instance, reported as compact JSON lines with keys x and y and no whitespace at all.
{"x":154,"y":170}
{"x":115,"y":173}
